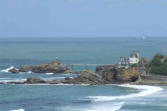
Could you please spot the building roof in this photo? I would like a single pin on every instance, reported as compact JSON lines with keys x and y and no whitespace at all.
{"x":134,"y":54}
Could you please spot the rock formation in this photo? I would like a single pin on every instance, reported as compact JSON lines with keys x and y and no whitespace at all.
{"x":85,"y":77}
{"x":14,"y":70}
{"x":109,"y":74}
{"x":34,"y":81}
{"x":112,"y":74}
{"x":53,"y":67}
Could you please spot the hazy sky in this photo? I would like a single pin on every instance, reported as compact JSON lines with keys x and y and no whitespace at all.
{"x":83,"y":18}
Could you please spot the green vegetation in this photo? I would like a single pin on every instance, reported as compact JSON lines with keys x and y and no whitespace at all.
{"x":120,"y":70}
{"x":134,"y":65}
{"x":159,"y":64}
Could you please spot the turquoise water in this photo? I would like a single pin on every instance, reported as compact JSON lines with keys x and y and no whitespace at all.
{"x":16,"y":52}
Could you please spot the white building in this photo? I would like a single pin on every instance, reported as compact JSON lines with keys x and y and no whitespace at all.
{"x":125,"y":62}
{"x":134,"y":58}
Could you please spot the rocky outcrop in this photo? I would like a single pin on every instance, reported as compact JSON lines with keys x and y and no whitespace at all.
{"x":53,"y":67}
{"x":112,"y":74}
{"x":107,"y":72}
{"x":28,"y":81}
{"x":85,"y":77}
{"x":129,"y":75}
{"x":14,"y":70}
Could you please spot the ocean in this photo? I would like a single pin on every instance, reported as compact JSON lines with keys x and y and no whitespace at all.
{"x":44,"y":97}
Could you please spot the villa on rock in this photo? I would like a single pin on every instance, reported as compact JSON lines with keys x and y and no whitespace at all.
{"x":125,"y":62}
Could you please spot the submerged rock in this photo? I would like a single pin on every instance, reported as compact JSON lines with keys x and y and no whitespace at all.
{"x":28,"y":81}
{"x":34,"y":81}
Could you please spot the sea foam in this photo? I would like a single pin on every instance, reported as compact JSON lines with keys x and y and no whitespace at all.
{"x":17,"y":110}
{"x":146,"y":90}
{"x":106,"y":107}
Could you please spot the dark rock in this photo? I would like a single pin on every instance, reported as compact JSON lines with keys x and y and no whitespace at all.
{"x":107,"y":73}
{"x":68,"y":78}
{"x":55,"y":82}
{"x":70,"y":72}
{"x":14,"y":70}
{"x":34,"y":81}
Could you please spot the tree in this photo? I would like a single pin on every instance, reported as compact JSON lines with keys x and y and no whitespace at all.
{"x":159,"y":64}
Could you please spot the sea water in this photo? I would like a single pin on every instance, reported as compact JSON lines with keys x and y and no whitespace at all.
{"x":16,"y":51}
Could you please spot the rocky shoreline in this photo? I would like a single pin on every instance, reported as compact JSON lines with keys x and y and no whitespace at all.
{"x":152,"y":80}
{"x":103,"y":75}
{"x":107,"y":74}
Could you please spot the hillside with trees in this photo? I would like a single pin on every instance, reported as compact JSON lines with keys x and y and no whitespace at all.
{"x":158,"y":64}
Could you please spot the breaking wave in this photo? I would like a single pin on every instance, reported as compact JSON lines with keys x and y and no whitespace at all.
{"x":49,"y":73}
{"x":107,"y":107}
{"x":11,"y":67}
{"x":7,"y":69}
{"x":146,"y":90}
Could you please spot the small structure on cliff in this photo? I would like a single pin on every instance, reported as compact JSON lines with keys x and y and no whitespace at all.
{"x":134,"y":57}
{"x":125,"y":62}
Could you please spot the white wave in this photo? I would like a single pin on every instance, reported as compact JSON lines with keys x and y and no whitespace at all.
{"x":49,"y":73}
{"x":52,"y":78}
{"x":12,"y":80}
{"x":17,"y":110}
{"x":29,"y":72}
{"x":146,"y":90}
{"x":107,"y":107}
{"x":7,"y":69}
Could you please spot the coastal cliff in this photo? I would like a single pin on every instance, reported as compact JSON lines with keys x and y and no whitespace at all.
{"x":112,"y":74}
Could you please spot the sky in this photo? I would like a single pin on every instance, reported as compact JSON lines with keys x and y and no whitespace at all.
{"x":83,"y":18}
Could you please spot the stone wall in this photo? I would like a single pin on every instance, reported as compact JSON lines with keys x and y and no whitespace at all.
{"x":154,"y":77}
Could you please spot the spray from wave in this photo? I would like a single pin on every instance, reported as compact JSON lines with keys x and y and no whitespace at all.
{"x":12,"y":67}
{"x":146,"y":90}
